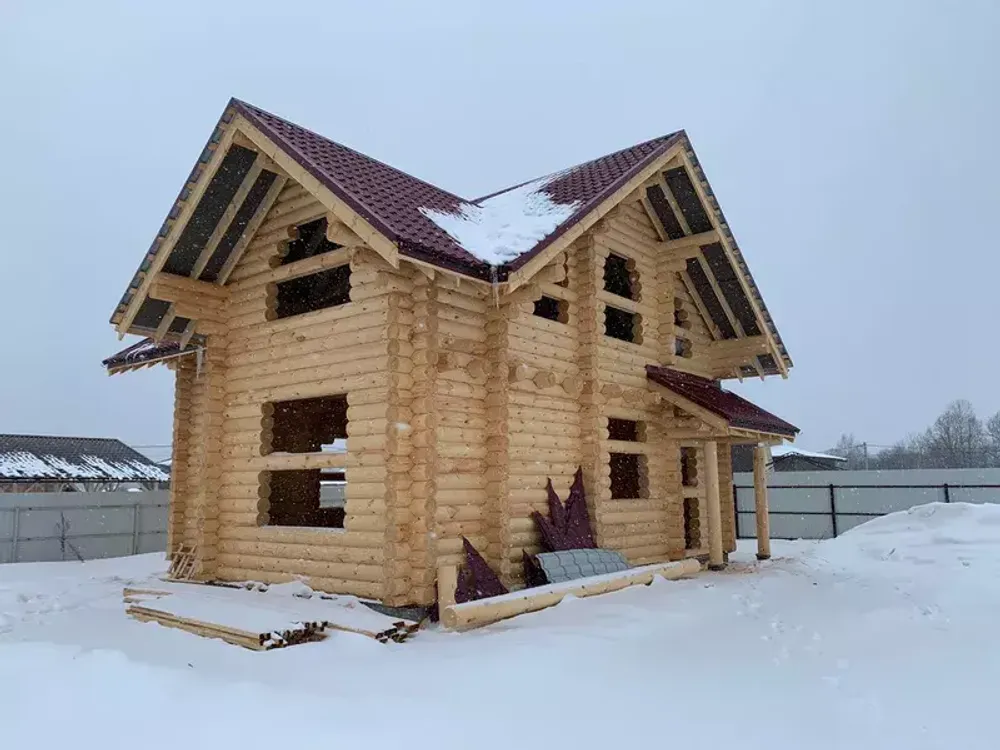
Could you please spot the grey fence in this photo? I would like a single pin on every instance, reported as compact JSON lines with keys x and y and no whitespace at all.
{"x":823,"y":504}
{"x":43,"y":527}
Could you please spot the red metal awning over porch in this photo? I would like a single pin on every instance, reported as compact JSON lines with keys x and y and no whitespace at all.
{"x":709,"y":395}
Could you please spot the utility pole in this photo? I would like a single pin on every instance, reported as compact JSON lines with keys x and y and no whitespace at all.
{"x":865,"y":446}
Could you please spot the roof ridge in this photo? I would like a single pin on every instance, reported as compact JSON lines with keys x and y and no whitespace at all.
{"x":246,"y":105}
{"x":566,"y":170}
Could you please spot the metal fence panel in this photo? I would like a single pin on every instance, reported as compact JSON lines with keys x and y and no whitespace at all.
{"x":823,"y":504}
{"x":42,"y":527}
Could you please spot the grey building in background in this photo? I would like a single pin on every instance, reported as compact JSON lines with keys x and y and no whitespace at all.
{"x":787,"y":458}
{"x":46,"y":463}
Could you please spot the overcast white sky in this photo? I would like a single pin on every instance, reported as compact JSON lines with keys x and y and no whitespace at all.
{"x":853,"y":146}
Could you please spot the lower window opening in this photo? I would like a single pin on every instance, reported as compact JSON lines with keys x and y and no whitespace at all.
{"x":692,"y":523}
{"x":621,"y":324}
{"x":305,"y":498}
{"x":551,"y":308}
{"x":628,"y":476}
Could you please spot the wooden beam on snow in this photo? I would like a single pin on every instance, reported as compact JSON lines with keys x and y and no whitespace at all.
{"x":493,"y":609}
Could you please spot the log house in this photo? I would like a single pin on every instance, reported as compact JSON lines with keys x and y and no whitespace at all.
{"x":307,"y":296}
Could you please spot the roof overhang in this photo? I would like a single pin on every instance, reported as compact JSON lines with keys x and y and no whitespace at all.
{"x":147,"y":353}
{"x":226,"y":197}
{"x":245,"y":165}
{"x":722,"y":412}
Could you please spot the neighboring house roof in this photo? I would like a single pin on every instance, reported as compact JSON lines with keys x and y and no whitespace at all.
{"x":408,"y":211}
{"x":708,"y":394}
{"x":46,"y":458}
{"x":784,"y":451}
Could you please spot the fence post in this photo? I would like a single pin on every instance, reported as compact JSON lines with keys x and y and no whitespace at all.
{"x":736,"y":513}
{"x":833,"y":509}
{"x":13,"y":539}
{"x":947,"y":493}
{"x":135,"y":529}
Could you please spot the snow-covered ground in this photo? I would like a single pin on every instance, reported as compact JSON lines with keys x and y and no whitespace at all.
{"x":884,"y":638}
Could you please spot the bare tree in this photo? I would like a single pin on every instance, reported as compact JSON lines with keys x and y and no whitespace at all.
{"x":906,"y":454}
{"x":956,"y":440}
{"x":850,"y":449}
{"x":993,"y":440}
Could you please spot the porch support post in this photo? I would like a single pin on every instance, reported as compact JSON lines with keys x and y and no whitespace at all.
{"x":760,"y":502}
{"x":716,"y":561}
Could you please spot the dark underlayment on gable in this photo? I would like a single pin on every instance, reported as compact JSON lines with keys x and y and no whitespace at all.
{"x":704,"y":289}
{"x":235,"y":229}
{"x":211,"y":207}
{"x":680,"y":185}
{"x":178,"y":325}
{"x":150,"y":314}
{"x":731,"y":288}
{"x":661,"y":207}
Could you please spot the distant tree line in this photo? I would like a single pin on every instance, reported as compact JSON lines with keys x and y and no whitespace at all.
{"x":958,"y":439}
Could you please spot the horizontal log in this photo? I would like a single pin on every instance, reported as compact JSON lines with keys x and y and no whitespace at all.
{"x":371,"y":358}
{"x":305,"y":536}
{"x":457,"y":513}
{"x":324,"y":553}
{"x":325,"y":386}
{"x":493,"y":609}
{"x":364,"y":589}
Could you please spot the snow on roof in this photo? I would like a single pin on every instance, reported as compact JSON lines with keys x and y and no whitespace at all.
{"x":41,"y":458}
{"x":498,"y":229}
{"x":780,"y":451}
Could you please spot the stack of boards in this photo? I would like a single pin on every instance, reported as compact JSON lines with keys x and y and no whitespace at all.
{"x":259,"y":620}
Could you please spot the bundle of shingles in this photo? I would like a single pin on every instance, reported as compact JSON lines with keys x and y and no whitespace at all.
{"x":568,"y":550}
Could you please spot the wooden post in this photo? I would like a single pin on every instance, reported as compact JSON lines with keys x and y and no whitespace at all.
{"x":716,"y":561}
{"x":760,"y":502}
{"x":446,"y":585}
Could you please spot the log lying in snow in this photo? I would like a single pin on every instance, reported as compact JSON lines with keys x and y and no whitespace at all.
{"x":486,"y":611}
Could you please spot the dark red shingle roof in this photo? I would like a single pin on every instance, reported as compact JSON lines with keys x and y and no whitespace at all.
{"x":390,"y":200}
{"x":591,"y":182}
{"x":708,"y":394}
{"x":387,"y":198}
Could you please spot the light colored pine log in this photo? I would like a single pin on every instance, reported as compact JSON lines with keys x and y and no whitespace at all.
{"x":486,"y":611}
